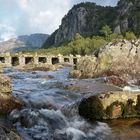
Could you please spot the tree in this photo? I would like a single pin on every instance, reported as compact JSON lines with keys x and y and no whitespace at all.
{"x":106,"y":31}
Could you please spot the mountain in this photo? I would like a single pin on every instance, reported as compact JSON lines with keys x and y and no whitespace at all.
{"x":24,"y":42}
{"x":128,"y":16}
{"x":88,"y":19}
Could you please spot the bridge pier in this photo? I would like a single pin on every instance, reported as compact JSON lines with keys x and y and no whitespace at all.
{"x":36,"y":61}
{"x":49,"y":60}
{"x":8,"y":61}
{"x":22,"y":61}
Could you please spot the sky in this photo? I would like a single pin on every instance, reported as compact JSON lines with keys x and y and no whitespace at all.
{"x":24,"y":17}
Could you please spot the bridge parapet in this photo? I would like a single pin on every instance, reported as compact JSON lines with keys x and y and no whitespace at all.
{"x":8,"y":60}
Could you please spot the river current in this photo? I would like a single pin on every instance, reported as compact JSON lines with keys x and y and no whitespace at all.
{"x":50,"y":111}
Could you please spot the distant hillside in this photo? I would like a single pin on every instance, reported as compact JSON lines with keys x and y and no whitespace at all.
{"x":88,"y":18}
{"x":24,"y":42}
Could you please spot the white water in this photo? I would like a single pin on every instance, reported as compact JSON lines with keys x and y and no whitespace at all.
{"x":51,"y":112}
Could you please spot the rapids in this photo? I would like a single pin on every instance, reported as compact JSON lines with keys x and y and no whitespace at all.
{"x":50,"y":110}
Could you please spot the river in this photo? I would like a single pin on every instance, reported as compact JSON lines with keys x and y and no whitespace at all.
{"x":50,"y":109}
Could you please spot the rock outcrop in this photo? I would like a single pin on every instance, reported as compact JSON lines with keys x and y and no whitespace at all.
{"x":7,"y":102}
{"x":111,"y":105}
{"x":120,"y":59}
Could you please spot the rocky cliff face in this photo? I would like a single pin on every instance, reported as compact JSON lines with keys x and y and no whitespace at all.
{"x":88,"y":18}
{"x":128,"y":18}
{"x":24,"y":42}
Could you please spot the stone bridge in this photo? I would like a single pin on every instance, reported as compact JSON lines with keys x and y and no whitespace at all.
{"x":19,"y":59}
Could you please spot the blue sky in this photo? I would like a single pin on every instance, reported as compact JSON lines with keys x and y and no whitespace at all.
{"x":19,"y":17}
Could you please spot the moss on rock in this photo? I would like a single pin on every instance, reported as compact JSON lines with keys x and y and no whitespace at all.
{"x":91,"y":108}
{"x":111,"y":105}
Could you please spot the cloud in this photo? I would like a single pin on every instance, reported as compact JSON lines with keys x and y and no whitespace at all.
{"x":42,"y":16}
{"x":32,"y":16}
{"x":7,"y":32}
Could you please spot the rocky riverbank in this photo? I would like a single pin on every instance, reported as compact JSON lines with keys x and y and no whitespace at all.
{"x":119,"y":63}
{"x":51,"y":106}
{"x":7,"y":101}
{"x":7,"y":104}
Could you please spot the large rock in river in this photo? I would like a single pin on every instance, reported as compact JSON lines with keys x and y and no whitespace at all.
{"x":111,"y":105}
{"x":7,"y":102}
{"x":120,"y":58}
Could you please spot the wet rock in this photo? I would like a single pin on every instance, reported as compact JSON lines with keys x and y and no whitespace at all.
{"x":85,"y":68}
{"x":47,"y":77}
{"x":137,"y":82}
{"x":117,"y":81}
{"x":5,"y":85}
{"x":14,"y":116}
{"x":1,"y":71}
{"x":75,"y":74}
{"x":29,"y":118}
{"x":72,"y":87}
{"x":54,"y":119}
{"x":34,"y":72}
{"x":127,"y":129}
{"x":111,"y":105}
{"x":60,"y":136}
{"x":7,"y":102}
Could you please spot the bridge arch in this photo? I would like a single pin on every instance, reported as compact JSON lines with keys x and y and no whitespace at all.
{"x":29,"y":60}
{"x":67,"y":60}
{"x":75,"y":61}
{"x":2,"y":59}
{"x":55,"y":60}
{"x":15,"y":61}
{"x":42,"y":59}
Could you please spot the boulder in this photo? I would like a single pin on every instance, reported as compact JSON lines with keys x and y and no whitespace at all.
{"x":111,"y":105}
{"x":47,"y":77}
{"x":7,"y":101}
{"x":75,"y":74}
{"x":115,"y":80}
{"x":5,"y":85}
{"x":120,"y":59}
